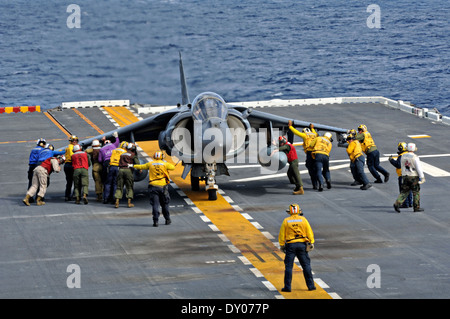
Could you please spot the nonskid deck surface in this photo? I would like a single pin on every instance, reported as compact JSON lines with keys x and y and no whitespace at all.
{"x":227,"y":249}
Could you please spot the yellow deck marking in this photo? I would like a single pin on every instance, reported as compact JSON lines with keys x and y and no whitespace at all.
{"x":88,"y":121}
{"x":121,"y":115}
{"x":419,"y":136}
{"x":57,"y":124}
{"x":259,"y":250}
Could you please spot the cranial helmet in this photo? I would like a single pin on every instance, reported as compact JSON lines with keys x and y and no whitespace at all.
{"x":412,"y":147}
{"x":328,"y":136}
{"x":402,"y":147}
{"x":76,"y":148}
{"x":294,"y":209}
{"x":158,"y":155}
{"x":282,"y":140}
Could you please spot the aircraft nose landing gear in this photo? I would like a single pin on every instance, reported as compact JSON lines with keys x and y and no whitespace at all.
{"x":211,"y":186}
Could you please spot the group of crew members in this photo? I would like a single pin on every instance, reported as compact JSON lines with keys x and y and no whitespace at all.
{"x":361,"y":149}
{"x":113,"y":165}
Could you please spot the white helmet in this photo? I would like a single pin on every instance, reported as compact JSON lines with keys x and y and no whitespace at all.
{"x":328,"y":136}
{"x":95,"y":143}
{"x":411,"y":147}
{"x":76,"y":148}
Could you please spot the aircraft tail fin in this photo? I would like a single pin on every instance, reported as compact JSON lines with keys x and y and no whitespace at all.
{"x":184,"y":90}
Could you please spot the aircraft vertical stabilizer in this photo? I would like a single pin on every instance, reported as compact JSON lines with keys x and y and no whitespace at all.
{"x":184,"y":90}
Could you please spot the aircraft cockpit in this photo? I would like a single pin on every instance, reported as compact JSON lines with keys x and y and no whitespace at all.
{"x":209,"y":105}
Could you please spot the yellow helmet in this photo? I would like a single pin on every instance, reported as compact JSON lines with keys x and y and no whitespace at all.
{"x":294,"y":209}
{"x":124,"y":145}
{"x":73,"y":138}
{"x":362,"y":127}
{"x":402,"y":147}
{"x":158,"y":155}
{"x":306,"y":130}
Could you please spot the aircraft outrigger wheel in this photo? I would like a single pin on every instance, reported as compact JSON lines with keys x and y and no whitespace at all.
{"x":212,"y":194}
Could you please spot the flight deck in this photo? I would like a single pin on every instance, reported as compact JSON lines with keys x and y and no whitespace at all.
{"x":227,"y":248}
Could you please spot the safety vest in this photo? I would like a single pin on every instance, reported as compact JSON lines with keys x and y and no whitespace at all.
{"x":47,"y":164}
{"x":322,"y":146}
{"x":158,"y":172}
{"x":294,"y":229}
{"x":69,"y":153}
{"x":80,"y":160}
{"x":368,"y":142}
{"x":310,"y":136}
{"x":115,"y":156}
{"x":354,"y":150}
{"x":408,"y":161}
{"x":292,"y":154}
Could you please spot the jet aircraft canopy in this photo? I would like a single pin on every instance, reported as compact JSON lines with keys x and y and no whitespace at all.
{"x":209,"y":105}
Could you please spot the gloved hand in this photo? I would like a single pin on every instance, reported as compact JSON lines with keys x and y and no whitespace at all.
{"x":309,"y":246}
{"x":115,"y":134}
{"x":283,"y":249}
{"x":422,"y":180}
{"x":130,"y":165}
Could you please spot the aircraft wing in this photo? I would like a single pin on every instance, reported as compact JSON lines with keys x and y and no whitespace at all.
{"x":260,"y":119}
{"x":143,"y":130}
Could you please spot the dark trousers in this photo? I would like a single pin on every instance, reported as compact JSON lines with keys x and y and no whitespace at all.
{"x":111,"y":183}
{"x":373,"y":163}
{"x":357,"y":169}
{"x":297,"y":250}
{"x":68,"y":170}
{"x":159,"y":196}
{"x":322,"y":165}
{"x":311,"y":166}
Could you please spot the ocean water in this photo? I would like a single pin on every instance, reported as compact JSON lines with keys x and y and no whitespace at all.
{"x":243,"y":50}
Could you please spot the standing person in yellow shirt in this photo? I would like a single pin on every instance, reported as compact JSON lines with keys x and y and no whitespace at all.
{"x":158,"y":187}
{"x":373,"y":155}
{"x":294,"y":238}
{"x":308,"y":135}
{"x":68,"y":168}
{"x":321,"y":153}
{"x":357,"y":161}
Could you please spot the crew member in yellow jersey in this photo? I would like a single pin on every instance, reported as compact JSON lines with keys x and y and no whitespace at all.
{"x":158,"y":187}
{"x":357,"y":161}
{"x":296,"y":238}
{"x":373,"y":155}
{"x":307,"y":135}
{"x":68,"y":168}
{"x":321,"y":146}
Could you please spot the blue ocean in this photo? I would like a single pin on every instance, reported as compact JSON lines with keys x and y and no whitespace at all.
{"x":61,"y":51}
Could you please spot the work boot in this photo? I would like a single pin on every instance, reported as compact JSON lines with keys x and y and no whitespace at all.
{"x":99,"y":198}
{"x":299,"y":191}
{"x":168,"y":222}
{"x":397,"y":209}
{"x":418,"y":209}
{"x":26,"y":200}
{"x":320,"y":188}
{"x":155,"y":223}
{"x":378,"y":181}
{"x":85,"y":200}
{"x":365,"y":187}
{"x":328,"y":184}
{"x":129,"y":203}
{"x":77,"y":201}
{"x":386,"y":177}
{"x":116,"y":205}
{"x":39,"y":201}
